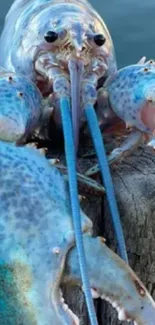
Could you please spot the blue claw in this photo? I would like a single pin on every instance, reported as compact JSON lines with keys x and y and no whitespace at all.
{"x":106,"y":176}
{"x":71,"y":164}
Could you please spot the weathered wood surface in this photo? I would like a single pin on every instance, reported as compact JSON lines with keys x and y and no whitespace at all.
{"x":134,"y":181}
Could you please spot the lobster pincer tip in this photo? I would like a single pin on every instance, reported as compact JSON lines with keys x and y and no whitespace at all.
{"x":113,"y":281}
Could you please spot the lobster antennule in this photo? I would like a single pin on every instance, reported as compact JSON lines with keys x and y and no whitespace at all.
{"x":75,"y":207}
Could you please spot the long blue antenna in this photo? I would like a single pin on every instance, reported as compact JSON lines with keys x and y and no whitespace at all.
{"x":106,"y":176}
{"x":73,"y":188}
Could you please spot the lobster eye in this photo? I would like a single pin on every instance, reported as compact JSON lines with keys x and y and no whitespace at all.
{"x":99,"y":39}
{"x":51,"y":36}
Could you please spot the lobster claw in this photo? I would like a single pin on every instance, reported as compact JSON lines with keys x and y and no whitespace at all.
{"x":113,"y":280}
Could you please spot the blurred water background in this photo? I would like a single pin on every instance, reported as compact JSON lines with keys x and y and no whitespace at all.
{"x":131,"y":24}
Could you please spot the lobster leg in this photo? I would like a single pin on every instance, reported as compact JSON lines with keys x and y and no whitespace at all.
{"x":113,"y":280}
{"x":87,"y":182}
{"x":127,"y":147}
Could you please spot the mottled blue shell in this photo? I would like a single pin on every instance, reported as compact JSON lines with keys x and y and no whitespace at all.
{"x":130,"y":90}
{"x":20,"y":106}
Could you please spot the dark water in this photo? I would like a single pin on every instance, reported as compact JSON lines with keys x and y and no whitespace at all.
{"x":131,"y":23}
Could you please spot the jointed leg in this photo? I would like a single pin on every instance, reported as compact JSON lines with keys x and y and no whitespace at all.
{"x":127,"y":147}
